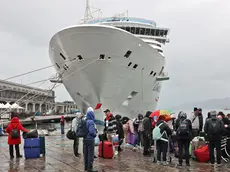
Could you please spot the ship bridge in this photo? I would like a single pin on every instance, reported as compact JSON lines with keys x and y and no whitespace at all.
{"x":122,"y":19}
{"x":142,"y":28}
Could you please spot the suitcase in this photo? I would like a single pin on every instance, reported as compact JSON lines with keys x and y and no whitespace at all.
{"x":32,"y":148}
{"x":105,"y":150}
{"x":202,"y":154}
{"x":42,"y":145}
{"x":196,"y":143}
{"x":131,"y":138}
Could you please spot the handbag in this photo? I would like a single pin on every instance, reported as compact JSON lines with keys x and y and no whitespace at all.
{"x":71,"y":135}
{"x":97,"y":141}
{"x":30,"y":134}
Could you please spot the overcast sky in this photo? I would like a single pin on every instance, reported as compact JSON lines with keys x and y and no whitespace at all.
{"x":197,"y":57}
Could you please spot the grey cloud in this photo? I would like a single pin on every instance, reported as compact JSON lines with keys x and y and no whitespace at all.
{"x":197,"y":56}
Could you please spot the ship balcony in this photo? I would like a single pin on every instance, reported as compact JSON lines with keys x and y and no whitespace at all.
{"x":163,"y":77}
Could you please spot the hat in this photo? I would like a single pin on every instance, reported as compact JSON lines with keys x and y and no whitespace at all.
{"x":195,"y":109}
{"x":213,"y":113}
{"x":107,"y":110}
{"x":90,"y":109}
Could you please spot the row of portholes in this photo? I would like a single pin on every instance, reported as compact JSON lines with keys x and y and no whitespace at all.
{"x":152,"y":73}
{"x":102,"y":57}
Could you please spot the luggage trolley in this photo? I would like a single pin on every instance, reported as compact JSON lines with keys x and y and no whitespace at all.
{"x":154,"y":157}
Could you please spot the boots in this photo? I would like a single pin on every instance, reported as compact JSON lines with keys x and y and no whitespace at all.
{"x":92,"y":170}
{"x":17,"y":151}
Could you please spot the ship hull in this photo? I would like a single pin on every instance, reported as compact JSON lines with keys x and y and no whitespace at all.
{"x":101,"y":71}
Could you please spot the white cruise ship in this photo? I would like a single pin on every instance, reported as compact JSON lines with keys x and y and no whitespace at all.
{"x":117,"y":62}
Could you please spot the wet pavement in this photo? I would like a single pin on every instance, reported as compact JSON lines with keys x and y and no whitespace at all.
{"x":59,"y":158}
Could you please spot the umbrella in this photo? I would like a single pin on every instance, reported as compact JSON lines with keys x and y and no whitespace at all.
{"x":155,"y":115}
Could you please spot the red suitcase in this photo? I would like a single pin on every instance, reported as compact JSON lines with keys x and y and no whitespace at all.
{"x":202,"y":154}
{"x":105,"y":150}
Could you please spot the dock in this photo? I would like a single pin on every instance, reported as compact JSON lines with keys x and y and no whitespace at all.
{"x":41,"y":119}
{"x":59,"y":158}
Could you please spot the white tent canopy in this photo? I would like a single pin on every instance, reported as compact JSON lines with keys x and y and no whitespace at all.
{"x":8,"y":106}
{"x":16,"y":106}
{"x":1,"y":105}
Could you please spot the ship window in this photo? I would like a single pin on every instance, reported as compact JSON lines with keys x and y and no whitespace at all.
{"x":151,"y":73}
{"x":147,"y":31}
{"x":157,"y":32}
{"x":102,"y":57}
{"x":166,"y":32}
{"x":142,"y":31}
{"x":160,"y":51}
{"x":129,"y":64}
{"x":135,"y":66}
{"x":109,"y":58}
{"x":80,"y":57}
{"x":138,"y":30}
{"x":152,"y":32}
{"x":64,"y":67}
{"x":133,"y":93}
{"x":154,"y":74}
{"x":62,"y":56}
{"x":57,"y":65}
{"x":161,"y":32}
{"x":127,"y":54}
{"x":133,"y":30}
{"x":128,"y":29}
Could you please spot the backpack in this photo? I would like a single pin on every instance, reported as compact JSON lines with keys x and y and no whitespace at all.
{"x":15,"y":134}
{"x":214,"y":127}
{"x":183,"y":129}
{"x":157,"y":135}
{"x":82,"y":129}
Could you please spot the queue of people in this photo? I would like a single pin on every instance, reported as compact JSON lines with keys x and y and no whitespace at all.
{"x":183,"y":128}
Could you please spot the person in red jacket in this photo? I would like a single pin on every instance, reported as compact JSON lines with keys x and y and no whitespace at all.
{"x":15,"y":124}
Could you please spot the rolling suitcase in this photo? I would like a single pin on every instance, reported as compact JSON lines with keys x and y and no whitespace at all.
{"x":202,"y":154}
{"x":105,"y":150}
{"x":196,"y":143}
{"x":131,"y":138}
{"x":42,"y":145}
{"x":32,"y":148}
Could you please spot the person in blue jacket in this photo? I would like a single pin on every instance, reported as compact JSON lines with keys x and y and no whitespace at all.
{"x":89,"y":141}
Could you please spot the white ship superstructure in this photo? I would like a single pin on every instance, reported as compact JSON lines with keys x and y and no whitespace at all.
{"x":116,"y":61}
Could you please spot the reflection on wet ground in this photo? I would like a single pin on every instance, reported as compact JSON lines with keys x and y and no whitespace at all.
{"x":59,"y":157}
